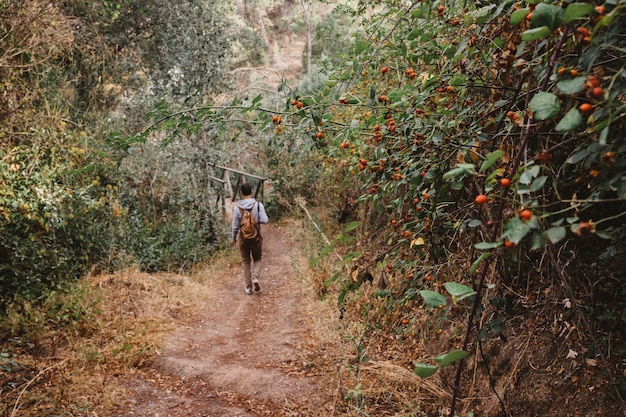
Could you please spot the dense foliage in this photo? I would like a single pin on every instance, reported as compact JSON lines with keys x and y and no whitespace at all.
{"x":475,"y":155}
{"x":477,"y":151}
{"x":72,"y":72}
{"x":472,"y":155}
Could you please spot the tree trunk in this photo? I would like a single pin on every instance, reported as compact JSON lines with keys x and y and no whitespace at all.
{"x":306,"y":14}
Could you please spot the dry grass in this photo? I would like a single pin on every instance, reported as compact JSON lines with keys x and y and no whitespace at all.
{"x":71,"y":365}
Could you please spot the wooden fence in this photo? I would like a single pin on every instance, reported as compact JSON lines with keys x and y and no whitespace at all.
{"x":228,"y":191}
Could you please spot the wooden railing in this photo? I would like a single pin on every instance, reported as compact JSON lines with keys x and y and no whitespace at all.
{"x":228,"y":191}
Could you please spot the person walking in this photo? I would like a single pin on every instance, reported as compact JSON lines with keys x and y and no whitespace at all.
{"x":248,"y":210}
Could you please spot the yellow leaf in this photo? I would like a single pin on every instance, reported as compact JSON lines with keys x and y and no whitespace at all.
{"x":418,"y":242}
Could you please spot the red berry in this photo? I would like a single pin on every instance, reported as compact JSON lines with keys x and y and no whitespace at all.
{"x":481,"y":199}
{"x":597,"y":92}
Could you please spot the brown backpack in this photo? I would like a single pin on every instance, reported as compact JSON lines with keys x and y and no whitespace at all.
{"x":248,"y":230}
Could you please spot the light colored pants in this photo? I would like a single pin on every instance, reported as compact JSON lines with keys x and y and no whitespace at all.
{"x":251,"y":252}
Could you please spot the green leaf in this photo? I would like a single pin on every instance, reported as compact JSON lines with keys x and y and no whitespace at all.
{"x":424,"y":371}
{"x":257,"y":100}
{"x":572,"y":85}
{"x":577,"y":157}
{"x":490,"y":160}
{"x":571,"y":121}
{"x":537,"y":240}
{"x":487,"y":245}
{"x":477,"y":262}
{"x":352,"y":225}
{"x":519,"y":16}
{"x":459,"y":291}
{"x":433,"y":298}
{"x":536,"y":33}
{"x":360,"y":46}
{"x":461,"y":170}
{"x":417,"y":13}
{"x":538,"y":183}
{"x":556,"y":234}
{"x":576,"y":11}
{"x":451,"y":357}
{"x":544,"y":105}
{"x":516,"y":230}
{"x":548,"y":15}
{"x":528,"y":175}
{"x":474,"y":223}
{"x":331,"y":280}
{"x":417,"y":31}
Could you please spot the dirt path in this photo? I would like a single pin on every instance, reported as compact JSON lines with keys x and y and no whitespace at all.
{"x":244,"y":356}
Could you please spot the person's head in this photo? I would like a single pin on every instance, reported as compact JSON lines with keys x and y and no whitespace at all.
{"x":246,"y":189}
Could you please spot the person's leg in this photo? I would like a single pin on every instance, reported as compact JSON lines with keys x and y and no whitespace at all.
{"x":257,"y":253}
{"x":244,"y":249}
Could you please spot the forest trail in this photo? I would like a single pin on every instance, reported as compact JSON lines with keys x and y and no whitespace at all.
{"x":244,"y":355}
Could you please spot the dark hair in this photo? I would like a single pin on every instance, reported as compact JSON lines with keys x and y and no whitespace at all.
{"x":246,"y":188}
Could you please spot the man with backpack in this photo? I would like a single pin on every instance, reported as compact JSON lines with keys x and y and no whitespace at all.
{"x":248,"y":215}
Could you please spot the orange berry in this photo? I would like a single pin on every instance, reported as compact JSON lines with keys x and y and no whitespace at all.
{"x":526,"y":215}
{"x":574,"y":73}
{"x":429,"y":278}
{"x":508,"y":244}
{"x":319,"y":135}
{"x":481,"y":199}
{"x":505,"y":182}
{"x":439,"y":331}
{"x":600,"y":9}
{"x":384,"y":70}
{"x":405,"y":321}
{"x":585,"y":107}
{"x":529,"y":16}
{"x":561,"y":71}
{"x":583,"y":31}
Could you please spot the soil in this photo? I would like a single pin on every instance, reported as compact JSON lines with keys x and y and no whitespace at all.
{"x":243,"y":355}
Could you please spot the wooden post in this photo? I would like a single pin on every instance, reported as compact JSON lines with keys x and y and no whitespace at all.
{"x":240,"y":180}
{"x":228,"y":189}
{"x":260,"y":189}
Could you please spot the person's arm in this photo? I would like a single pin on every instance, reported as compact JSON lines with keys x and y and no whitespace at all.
{"x":236,"y":224}
{"x":262,"y":215}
